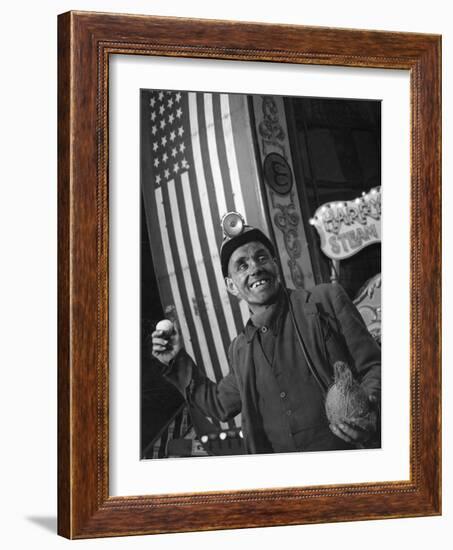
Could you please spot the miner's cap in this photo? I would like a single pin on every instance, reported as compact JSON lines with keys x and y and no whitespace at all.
{"x":247,"y":235}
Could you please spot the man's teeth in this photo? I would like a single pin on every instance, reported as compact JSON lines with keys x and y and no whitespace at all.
{"x":259,"y":283}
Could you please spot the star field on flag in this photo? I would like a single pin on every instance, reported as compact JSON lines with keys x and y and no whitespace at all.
{"x":168,"y":133}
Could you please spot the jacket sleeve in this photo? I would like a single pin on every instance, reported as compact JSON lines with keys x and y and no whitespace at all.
{"x":218,"y":400}
{"x":361,"y":345}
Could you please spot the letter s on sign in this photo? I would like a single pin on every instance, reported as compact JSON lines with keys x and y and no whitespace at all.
{"x":335,"y":247}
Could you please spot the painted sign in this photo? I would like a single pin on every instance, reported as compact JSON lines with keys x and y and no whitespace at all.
{"x":345,"y":228}
{"x":281,"y":193}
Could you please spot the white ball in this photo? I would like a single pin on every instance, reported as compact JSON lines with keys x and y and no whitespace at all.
{"x":165,"y":326}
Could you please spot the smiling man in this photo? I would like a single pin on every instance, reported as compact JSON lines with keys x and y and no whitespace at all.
{"x":281,"y":364}
{"x":250,"y":270}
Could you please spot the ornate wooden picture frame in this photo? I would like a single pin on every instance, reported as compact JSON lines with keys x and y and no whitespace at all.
{"x":86,"y":42}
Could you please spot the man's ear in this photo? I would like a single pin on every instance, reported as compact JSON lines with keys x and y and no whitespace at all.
{"x":231,"y":287}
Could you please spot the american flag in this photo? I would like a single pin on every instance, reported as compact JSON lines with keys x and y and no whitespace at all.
{"x":195,"y":168}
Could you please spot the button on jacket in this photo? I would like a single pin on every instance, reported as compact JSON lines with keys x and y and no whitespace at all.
{"x":269,"y":380}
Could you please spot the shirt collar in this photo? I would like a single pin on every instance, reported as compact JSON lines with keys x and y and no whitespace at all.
{"x":271,"y":318}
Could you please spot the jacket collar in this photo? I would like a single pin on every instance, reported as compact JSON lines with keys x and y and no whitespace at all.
{"x":272,"y":318}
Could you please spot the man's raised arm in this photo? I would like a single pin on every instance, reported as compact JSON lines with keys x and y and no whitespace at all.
{"x":219,"y":400}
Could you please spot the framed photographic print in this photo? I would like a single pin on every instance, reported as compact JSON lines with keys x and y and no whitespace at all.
{"x":249,"y":275}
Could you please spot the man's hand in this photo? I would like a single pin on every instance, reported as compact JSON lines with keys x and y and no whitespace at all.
{"x":358,"y":430}
{"x":166,"y":346}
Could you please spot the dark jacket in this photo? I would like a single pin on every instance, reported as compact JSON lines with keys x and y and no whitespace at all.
{"x":332,"y":330}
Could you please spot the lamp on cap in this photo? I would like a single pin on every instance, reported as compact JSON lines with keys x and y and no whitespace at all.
{"x":236,"y":233}
{"x":232,"y":224}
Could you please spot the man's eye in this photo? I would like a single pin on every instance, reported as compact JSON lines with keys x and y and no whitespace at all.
{"x":262,"y":258}
{"x":242,"y":266}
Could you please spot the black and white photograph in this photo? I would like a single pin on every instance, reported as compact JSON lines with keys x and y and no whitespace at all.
{"x":260,"y":274}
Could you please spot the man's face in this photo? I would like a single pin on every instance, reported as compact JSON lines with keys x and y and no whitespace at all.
{"x":253,"y":274}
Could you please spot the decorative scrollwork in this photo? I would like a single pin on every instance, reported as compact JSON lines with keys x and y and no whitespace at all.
{"x":287,"y":220}
{"x":296,"y":274}
{"x":292,"y":243}
{"x":270,"y":127}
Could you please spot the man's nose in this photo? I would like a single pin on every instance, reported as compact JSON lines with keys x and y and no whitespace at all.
{"x":254,"y":266}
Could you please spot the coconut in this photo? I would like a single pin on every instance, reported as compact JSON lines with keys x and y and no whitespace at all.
{"x":346,"y":399}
